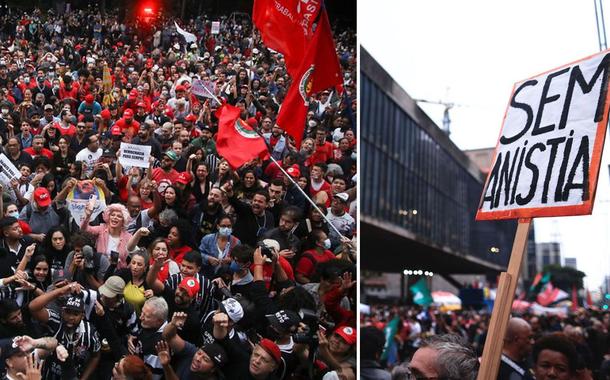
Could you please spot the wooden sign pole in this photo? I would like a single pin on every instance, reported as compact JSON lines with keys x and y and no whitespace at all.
{"x":490,"y":362}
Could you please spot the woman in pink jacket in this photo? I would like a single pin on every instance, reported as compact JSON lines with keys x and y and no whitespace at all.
{"x":112,"y":235}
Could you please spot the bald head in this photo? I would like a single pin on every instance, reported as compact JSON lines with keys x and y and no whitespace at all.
{"x":518,"y":340}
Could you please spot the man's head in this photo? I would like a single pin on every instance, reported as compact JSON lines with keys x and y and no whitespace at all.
{"x":191,"y":264}
{"x":339,"y":203}
{"x":93,"y":142}
{"x":10,"y":314}
{"x":555,"y":358}
{"x":15,"y":360}
{"x":282,"y":323}
{"x":169,"y":160}
{"x":214,"y":197}
{"x":519,"y":340}
{"x":38,"y":143}
{"x":111,"y":291}
{"x":209,"y":359}
{"x":259,"y":202}
{"x":134,"y":205}
{"x":186,"y":291}
{"x":265,"y":359}
{"x":444,"y":356}
{"x":11,"y":229}
{"x":276,"y":190}
{"x":154,"y":313}
{"x":12,"y":146}
{"x":289,"y":218}
{"x":73,"y":312}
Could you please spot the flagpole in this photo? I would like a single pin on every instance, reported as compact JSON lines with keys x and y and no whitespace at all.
{"x":315,"y":206}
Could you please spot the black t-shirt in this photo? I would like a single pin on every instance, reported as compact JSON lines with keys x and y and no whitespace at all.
{"x":190,"y":332}
{"x":182,"y":363}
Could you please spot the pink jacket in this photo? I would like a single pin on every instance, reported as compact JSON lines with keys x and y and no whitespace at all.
{"x":101,"y":245}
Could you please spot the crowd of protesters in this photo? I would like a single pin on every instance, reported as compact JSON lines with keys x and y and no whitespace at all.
{"x":538,"y":347}
{"x":193,"y":269}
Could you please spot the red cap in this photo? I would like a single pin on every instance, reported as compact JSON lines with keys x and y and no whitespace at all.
{"x":252,"y":122}
{"x":42,"y":196}
{"x":180,"y":88}
{"x":190,"y":117}
{"x":348,"y":334}
{"x":272,"y":349}
{"x":128,"y":113}
{"x":149,"y":62}
{"x":105,"y":114}
{"x":191,"y":285}
{"x":89,"y":99}
{"x":133,"y":92}
{"x":141,"y":104}
{"x":184,"y":178}
{"x":294,"y":171}
{"x":116,"y":130}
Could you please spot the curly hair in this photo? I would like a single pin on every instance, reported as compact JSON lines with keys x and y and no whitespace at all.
{"x":117,"y":207}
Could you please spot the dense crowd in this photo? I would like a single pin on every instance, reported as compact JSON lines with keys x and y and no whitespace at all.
{"x":187,"y":268}
{"x":535,"y":346}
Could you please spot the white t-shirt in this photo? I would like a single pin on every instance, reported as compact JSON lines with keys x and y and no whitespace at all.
{"x":89,"y":158}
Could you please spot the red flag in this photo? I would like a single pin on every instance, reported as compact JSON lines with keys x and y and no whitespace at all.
{"x":589,"y":300}
{"x":286,"y":26}
{"x":574,"y":298}
{"x":237,"y":142}
{"x":319,"y":70}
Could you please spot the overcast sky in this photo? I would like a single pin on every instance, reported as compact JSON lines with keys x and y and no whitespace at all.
{"x":470,"y":53}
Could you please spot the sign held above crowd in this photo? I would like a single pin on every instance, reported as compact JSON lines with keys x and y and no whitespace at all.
{"x":546,"y":164}
{"x":549,"y":151}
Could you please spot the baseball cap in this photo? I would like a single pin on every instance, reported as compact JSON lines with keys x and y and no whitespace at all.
{"x":190,"y":284}
{"x":216,"y":353}
{"x":180,"y":88}
{"x":347,"y":333}
{"x":294,"y":171}
{"x":184,"y":178}
{"x":344,"y":197}
{"x":113,"y":287}
{"x":190,"y":117}
{"x":42,"y":196}
{"x":105,"y":114}
{"x":48,"y":107}
{"x":272,"y":349}
{"x":116,"y":131}
{"x":108,"y":153}
{"x":75,"y":303}
{"x":171,"y":154}
{"x":128,"y":113}
{"x":141,"y":104}
{"x":283,"y":320}
{"x":233,"y":309}
{"x":8,"y":351}
{"x":89,"y":99}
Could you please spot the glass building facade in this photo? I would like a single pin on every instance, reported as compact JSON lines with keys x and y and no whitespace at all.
{"x":416,"y":180}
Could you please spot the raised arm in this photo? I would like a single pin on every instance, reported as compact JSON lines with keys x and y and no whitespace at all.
{"x":38,"y":305}
{"x":152,"y":279}
{"x":170,"y":331}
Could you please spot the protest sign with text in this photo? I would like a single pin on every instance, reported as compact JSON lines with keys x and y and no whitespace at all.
{"x":79,"y":197}
{"x":134,"y":155}
{"x":215,"y":27}
{"x":203,"y":88}
{"x":8,"y":171}
{"x":548,"y":155}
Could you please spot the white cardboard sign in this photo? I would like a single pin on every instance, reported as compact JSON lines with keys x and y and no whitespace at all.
{"x":135,"y":155}
{"x":549,"y":151}
{"x":215,"y":27}
{"x":8,"y":171}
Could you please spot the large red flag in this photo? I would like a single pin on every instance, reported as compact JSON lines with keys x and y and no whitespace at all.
{"x":237,"y":142}
{"x":286,"y":26}
{"x":319,"y":70}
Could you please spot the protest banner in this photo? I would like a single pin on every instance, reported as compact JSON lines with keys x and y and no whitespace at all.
{"x":548,"y":155}
{"x":215,"y":27}
{"x":203,"y":88}
{"x":8,"y":171}
{"x":80,"y":195}
{"x":546,"y":163}
{"x":134,"y":155}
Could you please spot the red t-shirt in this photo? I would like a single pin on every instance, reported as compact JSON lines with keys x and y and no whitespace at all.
{"x":164,"y":178}
{"x":325,"y":187}
{"x":129,"y":129}
{"x":45,"y":152}
{"x":70,"y":131}
{"x":307,"y":267}
{"x":322,"y":153}
{"x":268,"y":271}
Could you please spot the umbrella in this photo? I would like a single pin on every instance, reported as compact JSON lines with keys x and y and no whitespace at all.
{"x":446,"y":300}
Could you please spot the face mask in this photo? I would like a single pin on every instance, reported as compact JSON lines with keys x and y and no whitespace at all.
{"x":4,"y":111}
{"x":225,"y":231}
{"x":354,"y":156}
{"x":26,"y":80}
{"x":312,"y":124}
{"x":14,"y":214}
{"x":327,"y":244}
{"x":234,"y":267}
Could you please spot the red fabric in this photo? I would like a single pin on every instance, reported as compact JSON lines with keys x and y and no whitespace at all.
{"x":70,"y":131}
{"x":325,"y":187}
{"x":268,"y":271}
{"x":322,"y":153}
{"x":159,"y":175}
{"x":129,"y":129}
{"x":72,"y":93}
{"x":307,"y":267}
{"x":45,"y":152}
{"x":177,"y":254}
{"x":237,"y":142}
{"x":25,"y":227}
{"x":332,"y":304}
{"x":319,"y":70}
{"x":281,"y":33}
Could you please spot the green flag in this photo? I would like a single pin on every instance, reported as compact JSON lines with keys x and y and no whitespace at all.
{"x":421,"y":293}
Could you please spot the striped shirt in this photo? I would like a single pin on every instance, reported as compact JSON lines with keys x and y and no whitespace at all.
{"x":204,"y":301}
{"x":81,"y":344}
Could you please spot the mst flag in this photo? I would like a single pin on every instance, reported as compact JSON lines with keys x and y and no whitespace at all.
{"x":319,"y":70}
{"x":286,"y":26}
{"x":237,"y":142}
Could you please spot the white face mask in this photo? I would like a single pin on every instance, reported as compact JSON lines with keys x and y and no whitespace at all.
{"x":14,"y":214}
{"x":327,"y":244}
{"x":4,"y":111}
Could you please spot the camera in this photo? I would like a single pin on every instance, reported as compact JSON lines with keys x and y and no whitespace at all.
{"x":88,"y":257}
{"x":265,"y":250}
{"x":309,"y":335}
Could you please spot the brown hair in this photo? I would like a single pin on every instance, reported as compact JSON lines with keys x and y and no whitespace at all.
{"x":134,"y":368}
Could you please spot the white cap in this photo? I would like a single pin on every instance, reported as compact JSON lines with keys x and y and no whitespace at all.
{"x":343,"y":196}
{"x":233,"y":309}
{"x":193,"y":46}
{"x":255,"y":51}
